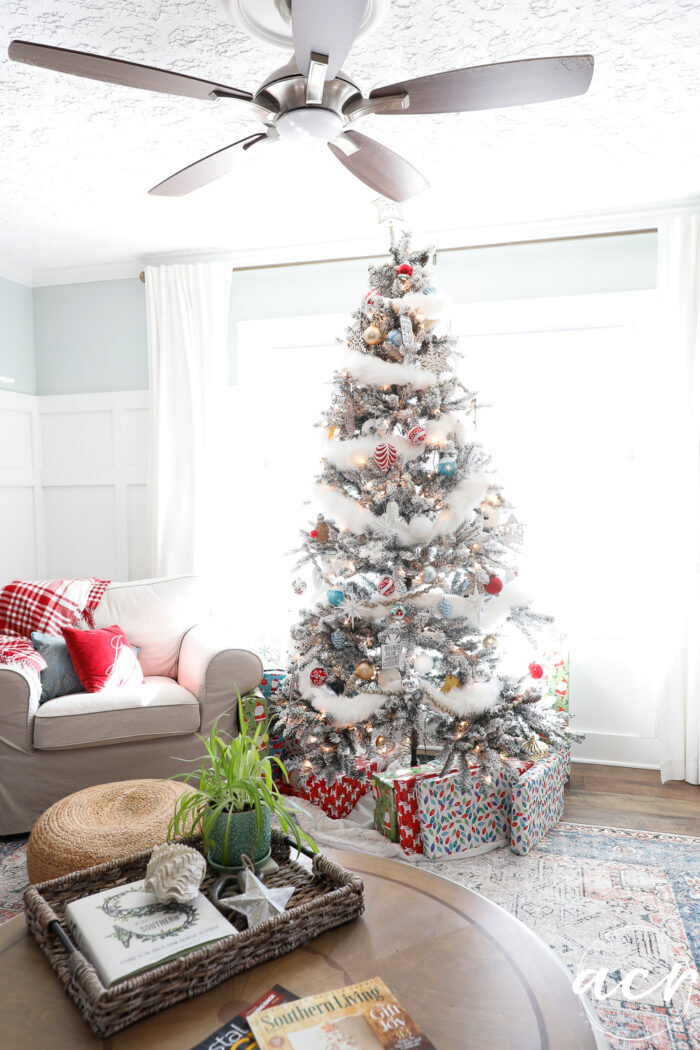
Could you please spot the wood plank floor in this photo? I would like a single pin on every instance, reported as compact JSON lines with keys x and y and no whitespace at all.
{"x":620,"y":797}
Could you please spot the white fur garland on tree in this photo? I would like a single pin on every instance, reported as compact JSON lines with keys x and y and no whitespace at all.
{"x":373,"y":370}
{"x":462,"y":503}
{"x":471,"y":699}
{"x":342,"y":710}
{"x":356,"y":452}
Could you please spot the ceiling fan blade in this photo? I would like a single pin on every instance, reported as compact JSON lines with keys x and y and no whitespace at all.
{"x":377,"y":166}
{"x":325,"y":27}
{"x":208,"y":169}
{"x":490,"y":87}
{"x":115,"y":71}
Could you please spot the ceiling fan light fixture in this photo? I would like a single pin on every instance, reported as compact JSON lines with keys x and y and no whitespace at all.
{"x":309,"y":124}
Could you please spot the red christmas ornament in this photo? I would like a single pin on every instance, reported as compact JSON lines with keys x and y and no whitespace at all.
{"x":494,"y":586}
{"x":405,"y":269}
{"x":318,"y":676}
{"x":536,"y":670}
{"x":416,"y":435}
{"x":313,"y":534}
{"x":386,"y":586}
{"x":384,"y":456}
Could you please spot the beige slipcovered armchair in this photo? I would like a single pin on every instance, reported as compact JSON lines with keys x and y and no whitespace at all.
{"x":48,"y":751}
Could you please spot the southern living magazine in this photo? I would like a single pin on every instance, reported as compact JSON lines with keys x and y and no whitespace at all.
{"x":236,"y":1035}
{"x":363,"y":1016}
{"x":125,"y":930}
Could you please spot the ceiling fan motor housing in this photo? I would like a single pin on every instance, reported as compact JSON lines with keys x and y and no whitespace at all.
{"x":302,"y":121}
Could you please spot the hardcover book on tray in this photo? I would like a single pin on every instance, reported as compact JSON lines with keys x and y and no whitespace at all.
{"x":363,"y":1016}
{"x":125,"y":930}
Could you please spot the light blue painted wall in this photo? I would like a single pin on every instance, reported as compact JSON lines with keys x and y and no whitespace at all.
{"x":17,"y":359}
{"x":92,"y":337}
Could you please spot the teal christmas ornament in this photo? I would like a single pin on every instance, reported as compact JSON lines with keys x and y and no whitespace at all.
{"x":338,"y":639}
{"x":447,"y":466}
{"x":398,"y":611}
{"x":335,"y":596}
{"x":395,"y":338}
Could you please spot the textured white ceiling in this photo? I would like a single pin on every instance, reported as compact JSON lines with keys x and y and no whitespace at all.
{"x":77,"y":157}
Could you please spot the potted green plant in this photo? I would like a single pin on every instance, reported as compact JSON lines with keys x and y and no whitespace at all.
{"x":234,"y":798}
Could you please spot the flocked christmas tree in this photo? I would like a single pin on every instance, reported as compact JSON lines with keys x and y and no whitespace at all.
{"x":414,"y":591}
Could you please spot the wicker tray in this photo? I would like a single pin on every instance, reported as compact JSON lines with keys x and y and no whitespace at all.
{"x":324,"y":897}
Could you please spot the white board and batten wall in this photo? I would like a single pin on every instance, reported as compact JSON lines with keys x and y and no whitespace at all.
{"x":73,"y":472}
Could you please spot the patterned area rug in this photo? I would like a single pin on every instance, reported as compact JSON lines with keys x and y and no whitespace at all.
{"x":13,"y":876}
{"x":604,"y":898}
{"x":601,"y":898}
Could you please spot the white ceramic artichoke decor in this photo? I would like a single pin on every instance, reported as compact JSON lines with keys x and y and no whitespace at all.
{"x":175,"y":873}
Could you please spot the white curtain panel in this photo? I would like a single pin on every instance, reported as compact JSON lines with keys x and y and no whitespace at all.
{"x":188,"y":321}
{"x":676,"y":631}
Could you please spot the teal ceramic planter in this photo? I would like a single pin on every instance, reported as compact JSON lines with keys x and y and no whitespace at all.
{"x":224,"y":853}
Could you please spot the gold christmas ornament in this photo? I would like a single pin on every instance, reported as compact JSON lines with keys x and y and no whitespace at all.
{"x":490,"y":640}
{"x":535,"y":747}
{"x":365,"y":670}
{"x":450,"y":682}
{"x":372,"y":335}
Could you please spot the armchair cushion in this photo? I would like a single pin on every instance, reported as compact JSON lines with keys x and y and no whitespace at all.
{"x":103,"y":658}
{"x":59,"y":676}
{"x":154,"y":614}
{"x":160,"y":707}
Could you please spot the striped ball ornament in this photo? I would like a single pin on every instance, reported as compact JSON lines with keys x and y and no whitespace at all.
{"x":386,"y":586}
{"x":416,"y":435}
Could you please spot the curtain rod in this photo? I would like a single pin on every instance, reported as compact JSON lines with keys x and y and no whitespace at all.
{"x":441,"y":251}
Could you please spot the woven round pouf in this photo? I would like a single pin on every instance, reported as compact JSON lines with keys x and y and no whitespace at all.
{"x":101,"y":823}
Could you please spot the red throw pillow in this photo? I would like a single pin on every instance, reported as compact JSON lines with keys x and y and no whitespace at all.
{"x":103,"y":659}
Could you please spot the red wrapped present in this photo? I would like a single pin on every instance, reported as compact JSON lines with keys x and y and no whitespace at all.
{"x":338,"y":799}
{"x":396,"y":804}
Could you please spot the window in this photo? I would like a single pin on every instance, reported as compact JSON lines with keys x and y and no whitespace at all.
{"x":570,"y":385}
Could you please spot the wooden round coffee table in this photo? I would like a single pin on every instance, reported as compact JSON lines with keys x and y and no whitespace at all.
{"x":472,"y":976}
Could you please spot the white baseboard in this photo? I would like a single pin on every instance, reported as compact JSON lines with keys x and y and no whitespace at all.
{"x":610,"y":762}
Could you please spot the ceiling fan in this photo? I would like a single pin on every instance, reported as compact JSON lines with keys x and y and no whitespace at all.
{"x":311,"y":98}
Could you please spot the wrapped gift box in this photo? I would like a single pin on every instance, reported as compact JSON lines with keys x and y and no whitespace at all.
{"x":537,"y":800}
{"x":271,"y":682}
{"x":396,"y":804}
{"x":255,"y":711}
{"x":338,"y":799}
{"x":555,"y":681}
{"x":519,"y":806}
{"x":452,"y":820}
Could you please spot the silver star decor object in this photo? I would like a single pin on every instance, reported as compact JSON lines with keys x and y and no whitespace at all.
{"x":352,"y":608}
{"x":476,"y":604}
{"x":387,"y":524}
{"x":259,"y":902}
{"x":433,"y":360}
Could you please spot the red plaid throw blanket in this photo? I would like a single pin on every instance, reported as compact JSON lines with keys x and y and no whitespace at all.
{"x":43,"y":605}
{"x":14,"y":649}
